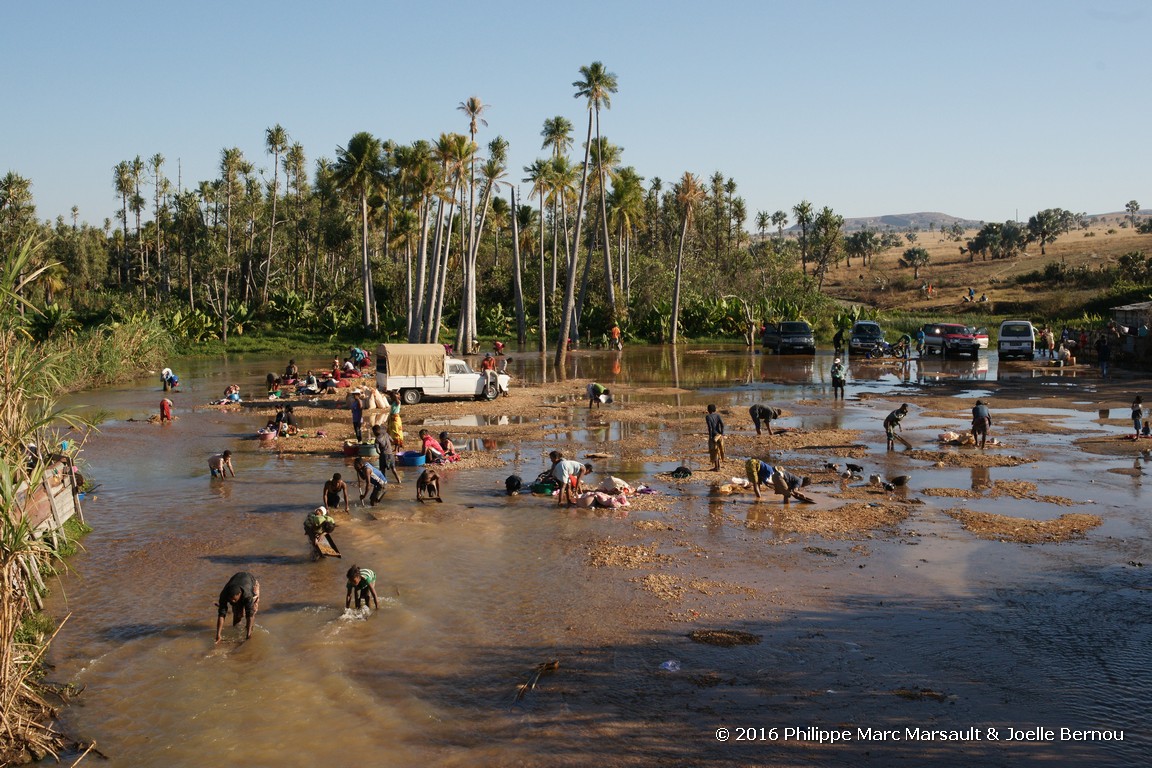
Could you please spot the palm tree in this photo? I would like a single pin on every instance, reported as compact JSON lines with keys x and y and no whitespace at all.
{"x":473,"y":107}
{"x":295,"y":187}
{"x":359,"y":170}
{"x":780,"y":220}
{"x":276,"y":142}
{"x":689,"y":195}
{"x":562,"y":175}
{"x":625,"y":208}
{"x":538,"y":174}
{"x":493,"y":172}
{"x":160,"y":188}
{"x":804,"y":217}
{"x":597,"y":86}
{"x":557,"y":134}
{"x":500,"y":216}
{"x":763,"y":219}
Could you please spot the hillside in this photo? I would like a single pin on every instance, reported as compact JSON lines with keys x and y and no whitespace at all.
{"x":917,"y":222}
{"x":886,"y":284}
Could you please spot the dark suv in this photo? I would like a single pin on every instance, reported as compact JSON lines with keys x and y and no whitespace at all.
{"x":950,"y":339}
{"x":865,"y":336}
{"x":791,"y":336}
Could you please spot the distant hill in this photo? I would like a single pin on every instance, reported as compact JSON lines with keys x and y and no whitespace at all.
{"x":909,"y":221}
{"x":919,"y":222}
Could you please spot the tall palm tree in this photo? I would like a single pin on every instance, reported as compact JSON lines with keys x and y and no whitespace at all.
{"x":780,"y":220}
{"x":122,"y":181}
{"x":804,"y":216}
{"x":160,"y":189}
{"x":689,"y":195}
{"x":763,"y":220}
{"x":562,"y":176}
{"x":276,"y":142}
{"x":359,"y":170}
{"x":597,"y":86}
{"x":538,"y":174}
{"x":625,"y":209}
{"x":473,"y":107}
{"x":557,"y":134}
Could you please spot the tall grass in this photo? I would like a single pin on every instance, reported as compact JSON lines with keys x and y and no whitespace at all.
{"x":30,"y":378}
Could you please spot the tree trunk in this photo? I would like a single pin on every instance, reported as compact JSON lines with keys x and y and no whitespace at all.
{"x":365,"y":274}
{"x":675,"y":323}
{"x":573,"y":261}
{"x":609,"y":281}
{"x":517,"y":286}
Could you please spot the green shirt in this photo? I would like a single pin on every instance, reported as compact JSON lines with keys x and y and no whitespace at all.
{"x":367,"y":578}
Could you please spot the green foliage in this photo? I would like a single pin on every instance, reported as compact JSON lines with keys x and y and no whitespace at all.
{"x":35,"y":629}
{"x":53,"y":320}
{"x":915,"y":258}
{"x":193,"y":326}
{"x":293,"y":308}
{"x":240,"y":315}
{"x":494,"y":321}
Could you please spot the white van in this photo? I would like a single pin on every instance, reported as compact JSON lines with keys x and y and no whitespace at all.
{"x":1017,"y":339}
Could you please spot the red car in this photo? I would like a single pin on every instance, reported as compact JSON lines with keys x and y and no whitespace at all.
{"x":949,"y":339}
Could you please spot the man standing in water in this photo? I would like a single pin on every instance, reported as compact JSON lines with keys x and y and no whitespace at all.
{"x":333,"y":490}
{"x":837,"y":380}
{"x":242,"y":593}
{"x":386,"y":450}
{"x":362,"y":583}
{"x":715,"y":426}
{"x":981,"y":420}
{"x":221,"y":464}
{"x":892,"y":424}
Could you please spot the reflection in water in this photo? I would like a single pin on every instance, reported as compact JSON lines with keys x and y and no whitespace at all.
{"x":980,"y":478}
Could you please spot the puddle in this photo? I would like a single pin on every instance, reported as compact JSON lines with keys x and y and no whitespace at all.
{"x":474,"y":420}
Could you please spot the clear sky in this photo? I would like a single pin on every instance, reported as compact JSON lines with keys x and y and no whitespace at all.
{"x":977,"y":109}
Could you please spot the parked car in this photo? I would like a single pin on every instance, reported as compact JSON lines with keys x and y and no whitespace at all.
{"x":1017,"y":339}
{"x":981,"y":335}
{"x":865,"y":335}
{"x":950,"y":339}
{"x":790,"y":336}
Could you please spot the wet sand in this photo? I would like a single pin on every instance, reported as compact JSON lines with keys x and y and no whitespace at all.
{"x":999,"y":589}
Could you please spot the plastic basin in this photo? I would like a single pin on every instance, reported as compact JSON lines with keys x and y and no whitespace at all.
{"x":410,"y":459}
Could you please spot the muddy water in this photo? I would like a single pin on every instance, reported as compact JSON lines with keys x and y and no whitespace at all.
{"x":476,"y":591}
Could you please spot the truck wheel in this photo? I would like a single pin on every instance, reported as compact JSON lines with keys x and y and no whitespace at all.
{"x":410,"y":396}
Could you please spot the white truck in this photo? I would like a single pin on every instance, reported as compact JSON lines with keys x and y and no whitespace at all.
{"x":418,"y":371}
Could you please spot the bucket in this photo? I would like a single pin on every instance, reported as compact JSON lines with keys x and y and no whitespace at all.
{"x":267,"y":434}
{"x":544,"y":488}
{"x":367,"y":450}
{"x":411,"y":459}
{"x":351,"y":448}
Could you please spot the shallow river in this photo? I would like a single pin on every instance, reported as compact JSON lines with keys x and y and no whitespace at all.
{"x":475,"y":592}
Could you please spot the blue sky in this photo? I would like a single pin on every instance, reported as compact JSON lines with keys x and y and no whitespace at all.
{"x":977,"y":109}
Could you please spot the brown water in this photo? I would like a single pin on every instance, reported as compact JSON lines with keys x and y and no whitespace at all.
{"x":476,"y":591}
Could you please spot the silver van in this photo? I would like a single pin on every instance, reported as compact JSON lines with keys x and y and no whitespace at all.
{"x":1017,"y":339}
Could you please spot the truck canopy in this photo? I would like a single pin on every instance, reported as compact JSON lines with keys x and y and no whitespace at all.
{"x":410,"y":359}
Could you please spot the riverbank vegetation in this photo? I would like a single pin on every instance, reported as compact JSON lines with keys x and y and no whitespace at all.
{"x":429,"y":241}
{"x":32,"y":376}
